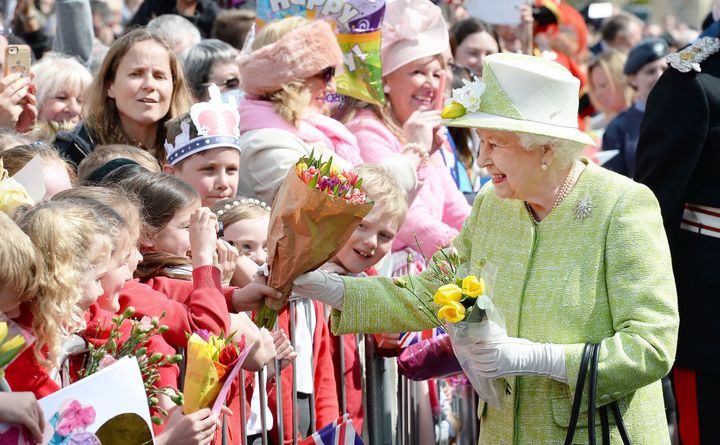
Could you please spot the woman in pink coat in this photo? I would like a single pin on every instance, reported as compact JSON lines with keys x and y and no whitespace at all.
{"x":414,"y":38}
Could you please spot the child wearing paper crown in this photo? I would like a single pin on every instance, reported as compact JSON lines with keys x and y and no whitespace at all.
{"x":205,"y":151}
{"x":246,"y":223}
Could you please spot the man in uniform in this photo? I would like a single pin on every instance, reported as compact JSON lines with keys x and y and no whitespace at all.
{"x":678,"y":157}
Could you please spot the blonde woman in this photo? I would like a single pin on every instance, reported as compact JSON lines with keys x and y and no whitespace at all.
{"x":61,"y":82}
{"x":609,"y":90}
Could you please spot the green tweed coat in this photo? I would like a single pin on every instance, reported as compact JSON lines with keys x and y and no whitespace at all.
{"x":569,"y":280}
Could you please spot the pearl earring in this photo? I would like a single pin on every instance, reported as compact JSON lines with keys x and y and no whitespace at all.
{"x":386,"y":88}
{"x":544,"y":165}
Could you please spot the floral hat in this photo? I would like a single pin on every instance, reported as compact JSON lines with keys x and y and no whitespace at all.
{"x":522,"y":94}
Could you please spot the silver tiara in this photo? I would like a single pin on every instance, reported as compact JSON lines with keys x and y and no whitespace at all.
{"x":237,"y":202}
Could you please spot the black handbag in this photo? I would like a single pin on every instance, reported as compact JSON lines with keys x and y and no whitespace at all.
{"x":590,"y":357}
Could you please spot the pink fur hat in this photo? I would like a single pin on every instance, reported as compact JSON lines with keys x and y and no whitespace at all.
{"x":299,"y":54}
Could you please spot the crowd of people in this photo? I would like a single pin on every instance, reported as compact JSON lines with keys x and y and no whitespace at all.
{"x":164,"y":130}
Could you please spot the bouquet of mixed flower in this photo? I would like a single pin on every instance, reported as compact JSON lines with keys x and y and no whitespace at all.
{"x":134,"y":344}
{"x":315,"y":211}
{"x":463,"y":309}
{"x":13,"y":341}
{"x":213,"y":361}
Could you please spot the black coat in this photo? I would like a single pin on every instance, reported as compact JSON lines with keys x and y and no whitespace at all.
{"x":678,"y":157}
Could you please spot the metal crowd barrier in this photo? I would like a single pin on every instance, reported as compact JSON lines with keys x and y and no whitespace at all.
{"x":391,"y":400}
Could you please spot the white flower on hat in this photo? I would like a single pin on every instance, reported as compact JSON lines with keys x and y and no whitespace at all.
{"x":471,"y":93}
{"x":469,"y":97}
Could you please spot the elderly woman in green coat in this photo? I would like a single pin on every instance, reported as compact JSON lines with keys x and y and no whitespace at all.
{"x":581,"y":256}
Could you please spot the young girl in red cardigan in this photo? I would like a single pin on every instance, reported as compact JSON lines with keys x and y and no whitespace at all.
{"x":246,"y":225}
{"x":75,"y":249}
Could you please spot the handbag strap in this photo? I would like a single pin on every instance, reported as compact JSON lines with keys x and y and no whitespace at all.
{"x":614,"y":407}
{"x":579,"y":388}
{"x":592,"y":388}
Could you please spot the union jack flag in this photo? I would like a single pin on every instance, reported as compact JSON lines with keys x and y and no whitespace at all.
{"x":340,"y":432}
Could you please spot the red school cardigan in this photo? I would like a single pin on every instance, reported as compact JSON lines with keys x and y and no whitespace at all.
{"x":188,"y":305}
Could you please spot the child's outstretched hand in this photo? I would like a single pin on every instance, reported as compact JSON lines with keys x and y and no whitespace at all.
{"x":249,"y":297}
{"x":203,"y":237}
{"x":227,"y":257}
{"x":283,"y":351}
{"x":21,"y":408}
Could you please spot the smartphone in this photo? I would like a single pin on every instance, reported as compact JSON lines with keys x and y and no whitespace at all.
{"x":17,"y":60}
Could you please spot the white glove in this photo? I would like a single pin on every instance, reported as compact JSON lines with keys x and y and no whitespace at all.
{"x":512,"y":356}
{"x":324,"y":287}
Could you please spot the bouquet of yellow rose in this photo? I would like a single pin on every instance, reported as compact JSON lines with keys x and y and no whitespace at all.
{"x":464,"y":309}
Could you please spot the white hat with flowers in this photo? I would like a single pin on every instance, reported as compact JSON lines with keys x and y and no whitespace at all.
{"x":519,"y":93}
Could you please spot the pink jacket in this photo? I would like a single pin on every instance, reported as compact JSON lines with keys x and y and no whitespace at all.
{"x":438,"y":211}
{"x":313,"y":128}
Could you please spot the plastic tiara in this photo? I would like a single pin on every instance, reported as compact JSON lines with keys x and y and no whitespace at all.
{"x":216,"y":125}
{"x":238,"y":202}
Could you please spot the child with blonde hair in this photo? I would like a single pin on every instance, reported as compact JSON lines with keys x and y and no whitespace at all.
{"x":245,"y":223}
{"x":22,"y":265}
{"x":75,"y":246}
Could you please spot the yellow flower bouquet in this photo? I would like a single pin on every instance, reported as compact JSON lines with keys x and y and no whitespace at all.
{"x":465,"y":311}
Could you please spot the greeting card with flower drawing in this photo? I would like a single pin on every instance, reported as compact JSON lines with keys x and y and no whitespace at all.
{"x":97,"y":410}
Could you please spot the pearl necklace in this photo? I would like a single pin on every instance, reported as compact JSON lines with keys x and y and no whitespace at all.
{"x":564,"y":190}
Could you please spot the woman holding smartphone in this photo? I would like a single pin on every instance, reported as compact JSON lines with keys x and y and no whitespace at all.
{"x":18,"y":105}
{"x":138,"y":87}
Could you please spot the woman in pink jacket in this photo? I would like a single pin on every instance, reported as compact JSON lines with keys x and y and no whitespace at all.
{"x":414,"y":38}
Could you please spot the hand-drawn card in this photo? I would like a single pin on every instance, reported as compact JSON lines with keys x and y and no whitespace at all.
{"x":109,"y":407}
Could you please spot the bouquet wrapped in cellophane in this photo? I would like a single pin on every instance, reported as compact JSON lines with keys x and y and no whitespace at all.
{"x":213,"y":361}
{"x":314,"y":213}
{"x":464,"y":309}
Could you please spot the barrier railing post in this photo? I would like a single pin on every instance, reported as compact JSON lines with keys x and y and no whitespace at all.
{"x":310,"y":306}
{"x":292,"y":308}
{"x":243,"y":410}
{"x":375,"y":416}
{"x":278,"y":392}
{"x":263,"y":406}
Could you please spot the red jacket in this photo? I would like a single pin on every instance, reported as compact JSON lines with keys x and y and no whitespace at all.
{"x":25,"y":373}
{"x":326,"y":403}
{"x":188,"y":305}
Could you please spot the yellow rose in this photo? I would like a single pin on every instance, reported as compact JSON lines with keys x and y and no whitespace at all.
{"x":452,"y":312}
{"x":12,"y":195}
{"x":447,"y":293}
{"x":453,"y":110}
{"x":472,"y":286}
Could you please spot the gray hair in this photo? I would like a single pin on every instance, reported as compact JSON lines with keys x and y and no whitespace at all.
{"x":178,"y":31}
{"x":55,"y":71}
{"x":565,"y":151}
{"x":199,"y":60}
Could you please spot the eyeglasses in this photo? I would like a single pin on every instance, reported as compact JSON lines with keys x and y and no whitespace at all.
{"x":328,"y":74}
{"x":229,"y":84}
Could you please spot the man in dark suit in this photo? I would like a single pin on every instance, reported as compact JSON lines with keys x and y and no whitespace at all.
{"x":678,"y":157}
